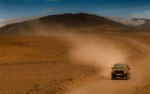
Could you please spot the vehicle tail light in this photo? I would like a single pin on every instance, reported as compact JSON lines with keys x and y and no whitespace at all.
{"x":113,"y":71}
{"x":125,"y":71}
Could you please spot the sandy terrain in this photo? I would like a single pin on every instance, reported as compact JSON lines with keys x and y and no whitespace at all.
{"x":38,"y":65}
{"x":73,"y":64}
{"x":133,"y":49}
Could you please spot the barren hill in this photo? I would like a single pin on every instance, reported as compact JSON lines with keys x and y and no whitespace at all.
{"x":82,"y":22}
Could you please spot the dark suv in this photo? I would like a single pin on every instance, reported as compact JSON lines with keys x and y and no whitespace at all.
{"x":120,"y":71}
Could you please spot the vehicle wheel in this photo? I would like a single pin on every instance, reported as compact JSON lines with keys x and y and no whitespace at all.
{"x":126,"y":77}
{"x":112,"y":78}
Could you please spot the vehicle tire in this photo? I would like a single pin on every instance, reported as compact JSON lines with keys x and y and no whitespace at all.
{"x":126,"y":77}
{"x":112,"y":78}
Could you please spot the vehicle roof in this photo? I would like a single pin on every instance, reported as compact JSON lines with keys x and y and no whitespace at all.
{"x":121,"y":66}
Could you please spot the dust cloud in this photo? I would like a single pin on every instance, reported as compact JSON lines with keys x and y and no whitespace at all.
{"x":97,"y":51}
{"x":104,"y":53}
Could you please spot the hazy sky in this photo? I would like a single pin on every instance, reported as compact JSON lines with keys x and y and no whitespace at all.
{"x":123,"y":8}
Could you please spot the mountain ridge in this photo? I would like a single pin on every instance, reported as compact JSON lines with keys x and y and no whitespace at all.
{"x":64,"y":21}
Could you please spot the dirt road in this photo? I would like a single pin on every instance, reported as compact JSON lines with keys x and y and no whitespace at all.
{"x":106,"y":51}
{"x":59,"y":64}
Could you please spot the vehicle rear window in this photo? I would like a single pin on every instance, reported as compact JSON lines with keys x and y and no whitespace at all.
{"x":120,"y":66}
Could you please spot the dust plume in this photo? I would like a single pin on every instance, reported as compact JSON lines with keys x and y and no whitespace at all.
{"x":97,"y":51}
{"x":103,"y":52}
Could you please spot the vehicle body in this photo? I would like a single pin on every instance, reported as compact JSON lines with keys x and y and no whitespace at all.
{"x":120,"y":71}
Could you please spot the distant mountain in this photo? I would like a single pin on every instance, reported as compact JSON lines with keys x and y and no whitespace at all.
{"x":81,"y":22}
{"x":139,"y":23}
{"x":16,"y":20}
{"x":144,"y":27}
{"x":127,"y":21}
